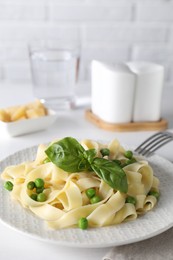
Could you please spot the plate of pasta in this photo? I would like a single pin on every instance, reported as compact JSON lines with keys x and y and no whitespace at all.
{"x":86,"y":193}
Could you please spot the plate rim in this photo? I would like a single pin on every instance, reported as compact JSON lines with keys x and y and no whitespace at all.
{"x":74,"y":244}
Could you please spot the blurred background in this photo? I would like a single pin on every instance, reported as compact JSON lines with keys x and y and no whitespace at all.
{"x":108,"y":30}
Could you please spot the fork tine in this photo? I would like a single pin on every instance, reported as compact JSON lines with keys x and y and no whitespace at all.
{"x":154,"y":142}
{"x":156,"y":145}
{"x":148,"y":141}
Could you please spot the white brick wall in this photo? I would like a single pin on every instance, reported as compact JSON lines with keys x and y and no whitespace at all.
{"x":91,"y":12}
{"x":19,"y":11}
{"x":154,"y":11}
{"x":129,"y":33}
{"x":109,"y":30}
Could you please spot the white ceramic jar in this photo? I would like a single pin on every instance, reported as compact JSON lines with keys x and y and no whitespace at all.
{"x":112,"y":92}
{"x":148,"y":90}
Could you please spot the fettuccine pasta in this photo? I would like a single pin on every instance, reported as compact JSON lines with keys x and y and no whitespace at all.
{"x":66,"y":197}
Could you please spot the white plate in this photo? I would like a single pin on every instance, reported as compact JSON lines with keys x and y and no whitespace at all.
{"x":149,"y":225}
{"x":27,"y":126}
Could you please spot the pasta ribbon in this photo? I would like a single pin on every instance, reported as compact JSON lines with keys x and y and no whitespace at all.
{"x":66,"y":197}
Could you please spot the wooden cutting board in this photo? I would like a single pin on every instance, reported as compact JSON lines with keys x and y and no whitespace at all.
{"x":126,"y":127}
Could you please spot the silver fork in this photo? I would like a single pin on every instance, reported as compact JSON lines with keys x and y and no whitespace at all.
{"x":153,"y":143}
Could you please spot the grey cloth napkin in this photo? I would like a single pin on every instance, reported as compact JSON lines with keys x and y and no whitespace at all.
{"x":157,"y":248}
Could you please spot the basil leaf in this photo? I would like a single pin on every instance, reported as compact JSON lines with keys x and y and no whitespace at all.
{"x":111,"y":173}
{"x":89,"y":155}
{"x":68,"y":154}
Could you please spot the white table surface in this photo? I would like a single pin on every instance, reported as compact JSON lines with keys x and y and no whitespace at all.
{"x":14,"y":245}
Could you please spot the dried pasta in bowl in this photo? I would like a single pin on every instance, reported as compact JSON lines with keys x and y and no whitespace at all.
{"x":25,"y":119}
{"x":31,"y":110}
{"x":83,"y":184}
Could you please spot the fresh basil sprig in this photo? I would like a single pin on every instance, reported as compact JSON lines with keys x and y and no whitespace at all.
{"x":69,"y":155}
{"x":111,"y":173}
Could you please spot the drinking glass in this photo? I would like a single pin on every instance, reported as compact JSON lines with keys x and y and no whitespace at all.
{"x":54,"y":70}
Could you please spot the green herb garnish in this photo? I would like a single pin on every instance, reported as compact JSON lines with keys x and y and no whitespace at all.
{"x":105,"y":152}
{"x":69,"y":155}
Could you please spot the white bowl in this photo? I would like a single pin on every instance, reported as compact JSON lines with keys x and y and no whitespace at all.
{"x":27,"y":126}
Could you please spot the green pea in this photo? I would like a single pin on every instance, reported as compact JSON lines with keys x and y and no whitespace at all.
{"x":95,"y":199}
{"x":33,"y":196}
{"x":31,"y":185}
{"x":128,"y":154}
{"x":105,"y":152}
{"x":83,"y":223}
{"x":41,"y":197}
{"x":131,"y":200}
{"x":39,"y":183}
{"x":90,"y":193}
{"x":39,"y":190}
{"x":46,"y":160}
{"x":8,"y":185}
{"x":155,"y":194}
